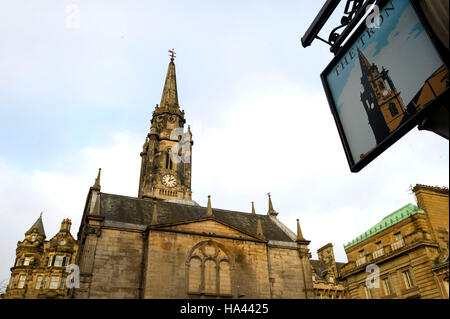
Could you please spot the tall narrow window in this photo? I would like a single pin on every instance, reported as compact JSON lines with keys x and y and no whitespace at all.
{"x":393,"y":109}
{"x":381,"y":85}
{"x":13,"y":281}
{"x":407,"y":279}
{"x":210,"y":277}
{"x":38,"y":282}
{"x":195,"y":275}
{"x":21,"y":282}
{"x":387,"y":287}
{"x":50,"y":261}
{"x":63,"y":281}
{"x":225,"y":278}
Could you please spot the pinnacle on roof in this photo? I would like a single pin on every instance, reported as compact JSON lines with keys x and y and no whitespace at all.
{"x":97,"y":181}
{"x":299,"y":232}
{"x":209,"y":212}
{"x":271,"y":211}
{"x":253,"y":208}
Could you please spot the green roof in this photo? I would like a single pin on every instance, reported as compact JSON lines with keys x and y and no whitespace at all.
{"x":387,"y":222}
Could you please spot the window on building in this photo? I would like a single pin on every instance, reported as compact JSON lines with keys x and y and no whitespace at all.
{"x":21,"y":282}
{"x":379,"y":245}
{"x":63,"y":281}
{"x":398,"y":236}
{"x":209,"y":271}
{"x":59,"y":259}
{"x":26,"y":261}
{"x":407,"y":279}
{"x":13,"y":281}
{"x":338,"y":297}
{"x":313,"y":278}
{"x":381,"y":85}
{"x":39,"y":282}
{"x":393,"y":109}
{"x":50,"y":261}
{"x":319,"y":296}
{"x":54,"y":282}
{"x":33,"y":238}
{"x":361,"y":253}
{"x":331,"y":279}
{"x":66,"y":260}
{"x":387,"y":287}
{"x":18,"y":262}
{"x":330,"y":296}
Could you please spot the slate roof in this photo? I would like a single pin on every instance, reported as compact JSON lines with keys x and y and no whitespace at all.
{"x":139,"y":212}
{"x":38,"y":225}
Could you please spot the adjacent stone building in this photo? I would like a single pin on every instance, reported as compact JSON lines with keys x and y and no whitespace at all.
{"x":162,"y":244}
{"x":39,"y":270}
{"x":325,"y":274}
{"x":405,"y":254}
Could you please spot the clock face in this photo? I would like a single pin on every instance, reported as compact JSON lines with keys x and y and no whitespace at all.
{"x":169,"y":180}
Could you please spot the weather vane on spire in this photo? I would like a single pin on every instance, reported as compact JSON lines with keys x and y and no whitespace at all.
{"x":172,"y":55}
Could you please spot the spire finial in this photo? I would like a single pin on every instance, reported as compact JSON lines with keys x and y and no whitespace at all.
{"x":253,"y":208}
{"x":209,"y":212}
{"x":97,"y":181}
{"x":271,"y":211}
{"x":172,"y":55}
{"x":40,"y":216}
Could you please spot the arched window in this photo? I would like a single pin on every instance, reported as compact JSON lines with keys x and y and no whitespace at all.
{"x":209,"y":271}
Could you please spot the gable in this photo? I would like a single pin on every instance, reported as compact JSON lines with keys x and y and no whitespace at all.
{"x":209,"y":227}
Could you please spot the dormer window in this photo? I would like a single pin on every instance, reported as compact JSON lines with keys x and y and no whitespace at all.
{"x":33,"y":238}
{"x":331,"y":279}
{"x":62,"y":242}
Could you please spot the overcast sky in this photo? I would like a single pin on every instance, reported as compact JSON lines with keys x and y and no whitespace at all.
{"x":79,"y":81}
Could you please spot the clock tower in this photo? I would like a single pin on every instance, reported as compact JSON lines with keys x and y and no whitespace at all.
{"x":166,"y":154}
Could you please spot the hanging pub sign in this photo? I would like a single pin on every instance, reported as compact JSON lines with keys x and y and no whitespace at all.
{"x":384,"y":80}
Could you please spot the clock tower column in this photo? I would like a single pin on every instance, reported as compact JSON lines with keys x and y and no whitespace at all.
{"x":166,"y":154}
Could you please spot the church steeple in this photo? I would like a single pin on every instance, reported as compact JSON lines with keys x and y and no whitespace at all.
{"x":169,"y":96}
{"x":166,"y":154}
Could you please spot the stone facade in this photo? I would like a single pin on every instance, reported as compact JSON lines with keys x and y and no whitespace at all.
{"x":325,"y":273}
{"x":40,"y":267}
{"x":409,"y":249}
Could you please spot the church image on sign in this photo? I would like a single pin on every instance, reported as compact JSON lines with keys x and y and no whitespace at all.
{"x":382,"y":78}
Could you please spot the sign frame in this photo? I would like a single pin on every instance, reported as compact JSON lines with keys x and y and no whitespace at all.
{"x":409,"y":124}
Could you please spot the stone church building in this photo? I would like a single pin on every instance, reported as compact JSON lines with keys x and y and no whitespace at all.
{"x":162,"y":244}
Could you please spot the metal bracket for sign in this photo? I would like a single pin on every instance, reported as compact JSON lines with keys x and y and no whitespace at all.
{"x":353,"y":13}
